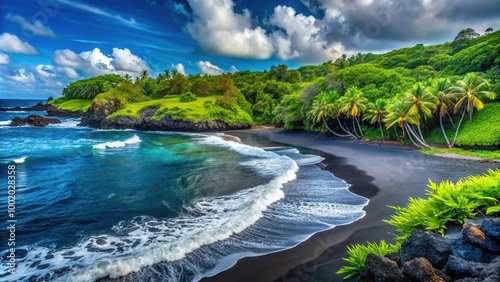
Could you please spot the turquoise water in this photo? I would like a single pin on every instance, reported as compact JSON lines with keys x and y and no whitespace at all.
{"x":157,"y":206}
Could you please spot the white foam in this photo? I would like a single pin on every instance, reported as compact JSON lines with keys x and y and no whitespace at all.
{"x":20,"y":160}
{"x":69,"y":123}
{"x":5,"y":122}
{"x":145,"y":241}
{"x":118,"y":144}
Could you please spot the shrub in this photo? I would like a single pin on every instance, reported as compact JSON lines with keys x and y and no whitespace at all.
{"x":447,"y":203}
{"x":188,"y":97}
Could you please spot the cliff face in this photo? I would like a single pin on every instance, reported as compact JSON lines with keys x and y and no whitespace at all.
{"x":96,"y":116}
{"x":55,"y":112}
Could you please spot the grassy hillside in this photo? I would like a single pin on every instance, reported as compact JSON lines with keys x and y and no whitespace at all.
{"x":483,"y":130}
{"x":71,"y":105}
{"x":203,"y":109}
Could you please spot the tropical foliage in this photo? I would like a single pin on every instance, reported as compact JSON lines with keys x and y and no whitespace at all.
{"x":447,"y":203}
{"x":406,"y":94}
{"x":90,"y":88}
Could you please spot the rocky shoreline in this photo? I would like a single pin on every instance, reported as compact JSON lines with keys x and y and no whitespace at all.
{"x":97,"y":117}
{"x":469,"y":255}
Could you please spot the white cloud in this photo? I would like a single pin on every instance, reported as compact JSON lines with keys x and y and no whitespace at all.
{"x":233,"y":69}
{"x":68,"y":72}
{"x":11,"y":43}
{"x":4,"y":59}
{"x":68,"y":58}
{"x":131,"y":22}
{"x":124,"y":60}
{"x":45,"y":70}
{"x":36,"y":28}
{"x":302,"y":37}
{"x":208,"y":68}
{"x":219,"y":30}
{"x":94,"y":62}
{"x":23,"y":77}
{"x":97,"y":62}
{"x":179,"y":68}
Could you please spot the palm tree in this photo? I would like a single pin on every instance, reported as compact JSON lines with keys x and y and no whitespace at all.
{"x":400,"y":113}
{"x":353,"y":104}
{"x":322,"y":108}
{"x":469,"y":92}
{"x":438,"y":88}
{"x":375,"y":113}
{"x":128,"y":77}
{"x":144,"y":75}
{"x":419,"y":99}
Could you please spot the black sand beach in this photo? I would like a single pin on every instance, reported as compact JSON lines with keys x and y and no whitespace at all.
{"x":384,"y":174}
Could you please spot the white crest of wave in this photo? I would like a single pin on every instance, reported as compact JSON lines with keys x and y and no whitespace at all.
{"x":5,"y":122}
{"x":118,"y":144}
{"x":20,"y":160}
{"x":69,"y":123}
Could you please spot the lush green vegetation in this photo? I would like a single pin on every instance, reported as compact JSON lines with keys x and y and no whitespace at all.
{"x":90,"y":88}
{"x":203,"y":108}
{"x":71,"y":105}
{"x":491,"y":155}
{"x":482,"y":130}
{"x":446,"y":203}
{"x":358,"y":253}
{"x":420,"y":94}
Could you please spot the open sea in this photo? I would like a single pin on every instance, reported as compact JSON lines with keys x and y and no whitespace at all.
{"x":154,"y":206}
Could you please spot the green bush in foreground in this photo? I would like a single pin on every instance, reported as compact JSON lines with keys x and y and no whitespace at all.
{"x":446,"y":203}
{"x":357,"y":256}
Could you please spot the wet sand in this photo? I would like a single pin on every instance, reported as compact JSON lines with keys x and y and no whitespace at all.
{"x":385,"y":174}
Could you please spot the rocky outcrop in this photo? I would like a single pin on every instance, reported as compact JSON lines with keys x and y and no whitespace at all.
{"x":471,"y":255}
{"x":97,"y":113}
{"x":56,"y":112}
{"x":96,"y":117}
{"x":34,"y":120}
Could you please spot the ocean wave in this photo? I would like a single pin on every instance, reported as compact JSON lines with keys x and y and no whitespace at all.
{"x":69,"y":123}
{"x":146,"y":241}
{"x":118,"y":144}
{"x":5,"y":122}
{"x":19,"y":160}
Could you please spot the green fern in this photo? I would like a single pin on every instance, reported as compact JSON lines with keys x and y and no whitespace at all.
{"x":358,"y":253}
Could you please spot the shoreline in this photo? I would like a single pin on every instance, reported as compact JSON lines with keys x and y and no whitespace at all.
{"x":385,"y":174}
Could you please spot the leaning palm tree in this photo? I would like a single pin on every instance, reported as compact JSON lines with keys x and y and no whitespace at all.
{"x":419,"y":99}
{"x":407,"y":119}
{"x":438,"y":88}
{"x":321,"y":109}
{"x":468,"y":92}
{"x":375,"y":113}
{"x":353,"y":104}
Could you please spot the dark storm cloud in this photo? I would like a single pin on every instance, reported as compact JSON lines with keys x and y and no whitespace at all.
{"x":456,"y":10}
{"x":377,"y":25}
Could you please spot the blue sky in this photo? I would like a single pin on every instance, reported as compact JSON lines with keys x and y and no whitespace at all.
{"x":45,"y":44}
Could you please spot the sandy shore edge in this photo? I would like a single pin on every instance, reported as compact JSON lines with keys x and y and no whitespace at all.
{"x":385,"y":174}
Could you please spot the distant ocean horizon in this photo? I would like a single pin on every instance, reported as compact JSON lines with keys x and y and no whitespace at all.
{"x":160,"y":206}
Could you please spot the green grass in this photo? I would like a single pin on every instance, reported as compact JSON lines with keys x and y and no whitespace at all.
{"x":483,"y":130}
{"x":446,"y":203}
{"x":203,"y":109}
{"x":492,"y":155}
{"x":71,"y":105}
{"x":195,"y":110}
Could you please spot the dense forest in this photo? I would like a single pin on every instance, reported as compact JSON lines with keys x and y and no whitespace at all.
{"x":412,"y":94}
